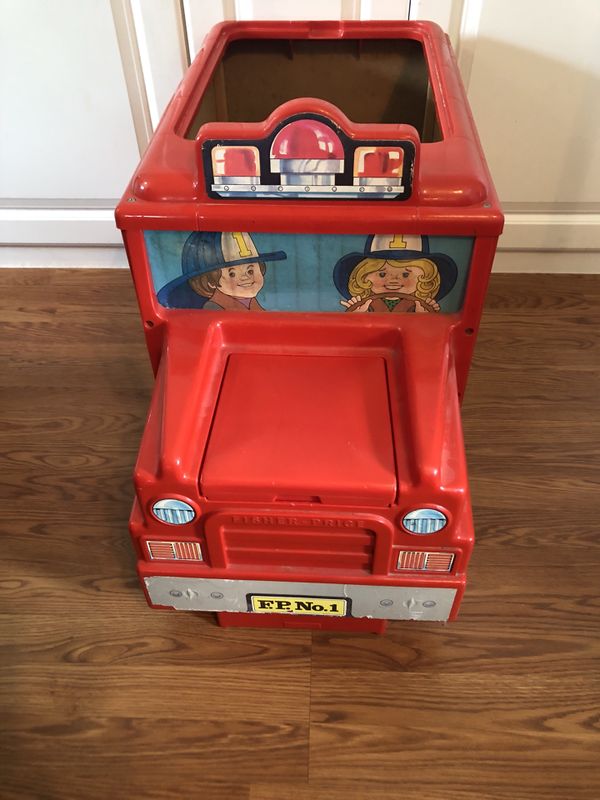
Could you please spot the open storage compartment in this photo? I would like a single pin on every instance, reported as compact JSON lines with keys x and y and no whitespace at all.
{"x":374,"y":80}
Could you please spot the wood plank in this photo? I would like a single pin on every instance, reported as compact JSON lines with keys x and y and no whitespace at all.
{"x":466,"y":707}
{"x":413,"y":724}
{"x":540,"y":621}
{"x":415,"y":787}
{"x":151,"y":639}
{"x":99,"y":781}
{"x":102,"y":696}
{"x":120,"y":750}
{"x":403,"y":756}
{"x":234,"y":691}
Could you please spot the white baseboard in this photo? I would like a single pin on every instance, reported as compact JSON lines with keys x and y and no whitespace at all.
{"x":56,"y":237}
{"x":58,"y":226}
{"x":63,"y":257}
{"x":525,"y":231}
{"x":96,"y":226}
{"x":552,"y":262}
{"x":102,"y":257}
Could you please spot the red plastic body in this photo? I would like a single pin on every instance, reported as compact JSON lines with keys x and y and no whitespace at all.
{"x":347,"y":421}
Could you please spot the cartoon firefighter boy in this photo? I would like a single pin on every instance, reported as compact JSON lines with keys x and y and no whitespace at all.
{"x":220,"y":272}
{"x":396,"y":273}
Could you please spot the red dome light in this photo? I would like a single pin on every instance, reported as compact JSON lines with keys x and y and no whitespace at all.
{"x":307,"y":139}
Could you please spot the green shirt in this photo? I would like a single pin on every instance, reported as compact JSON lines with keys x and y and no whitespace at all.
{"x":391,"y":303}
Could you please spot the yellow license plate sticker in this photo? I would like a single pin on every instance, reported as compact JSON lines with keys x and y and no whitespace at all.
{"x":283,"y":604}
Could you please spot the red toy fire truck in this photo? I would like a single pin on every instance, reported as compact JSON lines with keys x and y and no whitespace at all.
{"x":305,"y":466}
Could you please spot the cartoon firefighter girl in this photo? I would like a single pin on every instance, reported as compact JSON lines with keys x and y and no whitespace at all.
{"x":220,"y":272}
{"x":396,"y":273}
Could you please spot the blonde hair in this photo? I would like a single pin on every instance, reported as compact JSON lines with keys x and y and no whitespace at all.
{"x":427,"y":285}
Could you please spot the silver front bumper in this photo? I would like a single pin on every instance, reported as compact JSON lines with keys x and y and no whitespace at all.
{"x":373,"y":602}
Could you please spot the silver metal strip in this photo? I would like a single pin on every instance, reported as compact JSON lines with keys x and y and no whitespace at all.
{"x":374,"y":602}
{"x":294,"y":191}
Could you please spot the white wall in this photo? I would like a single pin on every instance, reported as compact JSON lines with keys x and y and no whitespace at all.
{"x":65,"y":124}
{"x":533,"y":79}
{"x":82,"y":83}
{"x":67,"y":144}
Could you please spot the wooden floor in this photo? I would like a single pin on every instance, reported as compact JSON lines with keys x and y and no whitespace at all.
{"x":103,"y":698}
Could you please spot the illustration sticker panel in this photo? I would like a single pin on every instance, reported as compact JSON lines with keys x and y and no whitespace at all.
{"x":241,"y":271}
{"x":308,"y":157}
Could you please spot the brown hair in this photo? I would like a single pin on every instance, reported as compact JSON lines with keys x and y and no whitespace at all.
{"x":207,"y":283}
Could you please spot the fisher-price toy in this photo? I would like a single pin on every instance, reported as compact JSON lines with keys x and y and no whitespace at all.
{"x":310,"y":234}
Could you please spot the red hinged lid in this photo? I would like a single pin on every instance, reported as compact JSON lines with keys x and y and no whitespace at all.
{"x":304,"y":428}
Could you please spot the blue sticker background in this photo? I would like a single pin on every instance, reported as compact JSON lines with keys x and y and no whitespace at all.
{"x":304,"y":282}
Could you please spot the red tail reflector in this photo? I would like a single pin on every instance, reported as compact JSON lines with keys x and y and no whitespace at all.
{"x":174,"y":551}
{"x":426,"y":562}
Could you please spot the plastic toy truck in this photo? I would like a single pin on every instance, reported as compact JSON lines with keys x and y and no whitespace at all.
{"x":310,"y":233}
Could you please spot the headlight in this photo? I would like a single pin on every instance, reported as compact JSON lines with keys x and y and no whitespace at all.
{"x":424,"y":520}
{"x":174,"y":512}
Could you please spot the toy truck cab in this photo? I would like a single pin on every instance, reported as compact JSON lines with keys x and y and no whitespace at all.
{"x":310,"y":234}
